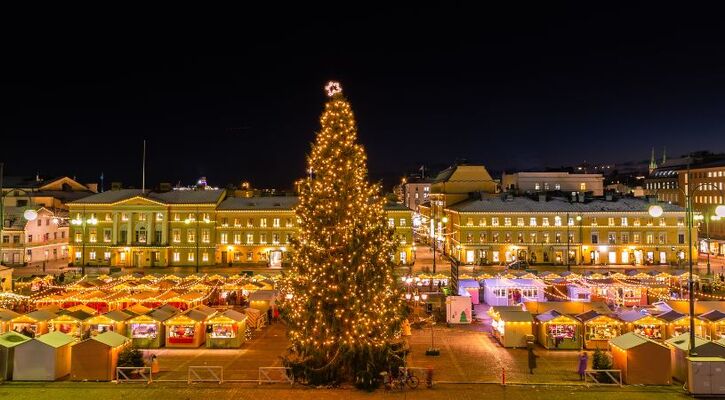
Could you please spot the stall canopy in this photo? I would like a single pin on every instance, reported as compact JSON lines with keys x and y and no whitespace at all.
{"x":599,"y":329}
{"x":558,"y":331}
{"x":566,"y":307}
{"x":8,"y":341}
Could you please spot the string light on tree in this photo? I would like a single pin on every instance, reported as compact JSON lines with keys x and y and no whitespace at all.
{"x":341,"y":302}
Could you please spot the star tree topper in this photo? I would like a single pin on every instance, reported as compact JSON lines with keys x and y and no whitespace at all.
{"x":332,"y":88}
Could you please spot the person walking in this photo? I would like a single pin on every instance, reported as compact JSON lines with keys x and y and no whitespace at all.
{"x":583,"y":361}
{"x":532,"y":360}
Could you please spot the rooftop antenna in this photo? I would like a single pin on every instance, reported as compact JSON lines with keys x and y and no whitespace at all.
{"x":143,"y":169}
{"x":101,"y":181}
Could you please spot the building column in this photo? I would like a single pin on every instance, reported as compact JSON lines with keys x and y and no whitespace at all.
{"x":165,"y":229}
{"x":129,"y":227}
{"x":114,"y":233}
{"x":150,"y":236}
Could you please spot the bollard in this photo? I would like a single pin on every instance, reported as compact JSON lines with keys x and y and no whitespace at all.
{"x":503,"y":376}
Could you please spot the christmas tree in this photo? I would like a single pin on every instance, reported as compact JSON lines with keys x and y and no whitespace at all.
{"x":342,"y":306}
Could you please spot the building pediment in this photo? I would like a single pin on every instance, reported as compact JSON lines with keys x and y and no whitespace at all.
{"x":139,"y":201}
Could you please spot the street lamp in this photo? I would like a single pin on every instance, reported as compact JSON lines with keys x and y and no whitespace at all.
{"x":656,"y":211}
{"x":83,"y":223}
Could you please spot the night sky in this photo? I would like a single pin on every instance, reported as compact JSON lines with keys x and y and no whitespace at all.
{"x":239,"y":98}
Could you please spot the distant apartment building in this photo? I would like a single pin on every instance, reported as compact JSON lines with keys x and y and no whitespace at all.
{"x":42,"y":239}
{"x":416,"y":191}
{"x":553,"y":181}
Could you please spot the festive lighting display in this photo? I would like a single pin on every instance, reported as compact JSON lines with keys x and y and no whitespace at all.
{"x":344,"y":310}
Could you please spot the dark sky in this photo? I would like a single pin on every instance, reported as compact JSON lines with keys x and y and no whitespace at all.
{"x":236,"y":95}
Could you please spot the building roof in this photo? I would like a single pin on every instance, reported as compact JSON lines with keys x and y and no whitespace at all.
{"x":682,"y":342}
{"x":513,"y":283}
{"x":712,"y":316}
{"x":557,"y":204}
{"x":515,"y":316}
{"x":12,"y":339}
{"x":670,"y":316}
{"x":41,"y":315}
{"x":111,"y":339}
{"x":171,"y":197}
{"x":567,"y":307}
{"x":631,"y":315}
{"x":631,"y":340}
{"x":7,"y":315}
{"x":590,"y":315}
{"x":232,"y":314}
{"x":55,"y":339}
{"x":259,"y":203}
{"x":391,"y":206}
{"x":118,"y":315}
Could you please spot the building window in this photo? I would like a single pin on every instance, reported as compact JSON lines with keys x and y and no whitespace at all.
{"x":124,"y":217}
{"x":159,"y":216}
{"x":223,"y":238}
{"x":546,"y":237}
{"x":275,"y":238}
{"x":636,"y":222}
{"x":635,"y":238}
{"x":177,"y":217}
{"x":30,"y":238}
{"x":520,"y":237}
{"x":190,"y":257}
{"x":595,"y":238}
{"x":176,"y":236}
{"x":482,"y":222}
{"x":545,"y":221}
{"x":250,"y":238}
{"x":205,"y":235}
{"x":507,"y":221}
{"x":288,"y":222}
{"x":263,"y":222}
{"x":225,"y":222}
{"x":287,"y":238}
{"x":537,"y":186}
{"x":663,"y":222}
{"x":250,"y":223}
{"x":625,"y":237}
{"x":92,"y":235}
{"x":176,"y":256}
{"x":662,"y":238}
{"x":391,"y":222}
{"x":237,"y":238}
{"x":79,"y":237}
{"x":610,"y":221}
{"x":275,"y":222}
{"x":495,"y":237}
{"x":482,"y":237}
{"x":92,"y":255}
{"x":681,"y":238}
{"x":190,"y":236}
{"x":532,"y":221}
{"x":557,"y":221}
{"x":507,"y":237}
{"x":494,"y":221}
{"x":520,"y":221}
{"x":142,"y":217}
{"x":469,"y":238}
{"x":624,"y":221}
{"x":583,"y":186}
{"x":532,"y":237}
{"x":557,"y":237}
{"x":650,"y":238}
{"x":106,"y":256}
{"x":205,"y":257}
{"x":262,"y":238}
{"x":106,"y":235}
{"x":612,"y":238}
{"x":402,"y":222}
{"x":237,"y":224}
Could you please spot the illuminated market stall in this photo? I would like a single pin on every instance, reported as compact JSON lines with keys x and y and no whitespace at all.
{"x":226,"y":330}
{"x":643,"y":361}
{"x":644,"y":324}
{"x":713,"y":325}
{"x":95,"y":359}
{"x":187,"y":329}
{"x":679,"y":351}
{"x":503,"y":291}
{"x":70,"y":323}
{"x":8,"y":342}
{"x":512,"y":328}
{"x":599,"y":329}
{"x":148,"y":330}
{"x":32,"y":324}
{"x":678,"y":323}
{"x":112,"y":321}
{"x":5,"y":317}
{"x":558,"y":331}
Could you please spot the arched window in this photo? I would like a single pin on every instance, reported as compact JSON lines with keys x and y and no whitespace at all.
{"x":141,"y":235}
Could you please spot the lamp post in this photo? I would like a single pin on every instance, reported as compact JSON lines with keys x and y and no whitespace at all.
{"x":83,"y":223}
{"x":657,"y":211}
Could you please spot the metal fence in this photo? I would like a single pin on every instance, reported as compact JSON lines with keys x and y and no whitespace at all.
{"x":603,"y":377}
{"x":275,"y":375}
{"x":134,"y":375}
{"x":205,"y":373}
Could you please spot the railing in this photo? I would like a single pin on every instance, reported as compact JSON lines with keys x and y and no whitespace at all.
{"x":275,"y":375}
{"x":598,"y":377}
{"x":205,"y":373}
{"x":134,"y":374}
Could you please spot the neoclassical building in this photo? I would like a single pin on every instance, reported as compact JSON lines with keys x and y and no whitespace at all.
{"x":195,"y":227}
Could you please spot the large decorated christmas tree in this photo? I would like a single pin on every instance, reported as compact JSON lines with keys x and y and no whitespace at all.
{"x":342,"y":306}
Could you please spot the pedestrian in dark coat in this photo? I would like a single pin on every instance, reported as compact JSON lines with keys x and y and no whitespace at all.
{"x":532,"y":360}
{"x":583,"y":361}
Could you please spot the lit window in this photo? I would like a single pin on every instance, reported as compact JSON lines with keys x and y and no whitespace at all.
{"x":250,"y":238}
{"x":177,"y":256}
{"x":494,"y":221}
{"x":106,"y":256}
{"x":545,"y":221}
{"x":205,"y":235}
{"x":262,"y":238}
{"x":237,"y":238}
{"x":532,"y":221}
{"x":583,"y":186}
{"x":557,"y":221}
{"x":92,"y":255}
{"x":190,"y":257}
{"x":275,"y":222}
{"x":611,"y":221}
{"x":624,"y":221}
{"x":159,"y":216}
{"x":224,"y":238}
{"x":520,"y":221}
{"x":263,"y":223}
{"x":507,"y":221}
{"x":402,"y":222}
{"x":176,"y":236}
{"x":391,"y":222}
{"x":205,"y":257}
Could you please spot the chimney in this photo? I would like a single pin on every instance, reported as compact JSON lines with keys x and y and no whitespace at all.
{"x":164,"y":187}
{"x":116,"y":186}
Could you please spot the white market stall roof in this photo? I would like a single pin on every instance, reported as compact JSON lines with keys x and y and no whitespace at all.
{"x":111,"y":339}
{"x":55,"y":339}
{"x":118,"y":315}
{"x":515,"y":316}
{"x":513,"y":283}
{"x":12,"y":339}
{"x":631,"y":340}
{"x":682,"y":342}
{"x":231,"y":314}
{"x":263,"y":295}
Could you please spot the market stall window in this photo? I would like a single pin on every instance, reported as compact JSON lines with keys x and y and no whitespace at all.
{"x":181,"y":334}
{"x":649,"y":330}
{"x":143,"y":331}
{"x":601,"y":332}
{"x":224,"y":331}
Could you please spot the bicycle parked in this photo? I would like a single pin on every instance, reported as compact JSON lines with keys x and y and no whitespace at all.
{"x":405,"y":378}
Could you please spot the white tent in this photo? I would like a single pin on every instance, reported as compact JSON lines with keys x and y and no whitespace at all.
{"x":45,"y":358}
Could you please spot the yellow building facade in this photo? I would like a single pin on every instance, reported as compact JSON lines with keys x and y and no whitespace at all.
{"x":195,"y":227}
{"x":502,"y":229}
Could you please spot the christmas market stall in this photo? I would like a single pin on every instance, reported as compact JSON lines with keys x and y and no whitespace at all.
{"x":5,"y":317}
{"x":137,"y":309}
{"x":504,"y":291}
{"x":255,"y":318}
{"x":643,"y":361}
{"x":599,"y":329}
{"x":264,"y":301}
{"x":226,"y":330}
{"x":8,"y":342}
{"x":619,"y":293}
{"x":679,"y":349}
{"x":566,"y":307}
{"x":512,"y":328}
{"x":32,"y":324}
{"x":45,"y":358}
{"x":558,"y":331}
{"x":112,"y":321}
{"x":644,"y":324}
{"x":70,"y":323}
{"x":95,"y":359}
{"x":577,"y":292}
{"x":470,"y":288}
{"x":713,"y":326}
{"x":678,"y":323}
{"x":147,"y":331}
{"x":187,"y":329}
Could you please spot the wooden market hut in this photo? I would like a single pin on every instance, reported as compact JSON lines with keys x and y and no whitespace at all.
{"x":35,"y":322}
{"x":70,"y":324}
{"x":263,"y":300}
{"x":227,"y":330}
{"x":255,"y":318}
{"x":512,"y":328}
{"x":679,"y":348}
{"x":95,"y":359}
{"x":619,"y":293}
{"x":713,"y":326}
{"x":45,"y":358}
{"x":644,"y":324}
{"x":148,"y":331}
{"x":112,"y":321}
{"x":508,"y":292}
{"x":678,"y":323}
{"x":137,"y":309}
{"x":599,"y":329}
{"x":643,"y":361}
{"x":84,"y":308}
{"x":8,"y":342}
{"x":5,"y":317}
{"x":556,"y":331}
{"x":187,"y":329}
{"x":578,"y":292}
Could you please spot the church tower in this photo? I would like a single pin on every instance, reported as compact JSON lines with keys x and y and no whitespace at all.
{"x":652,"y":162}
